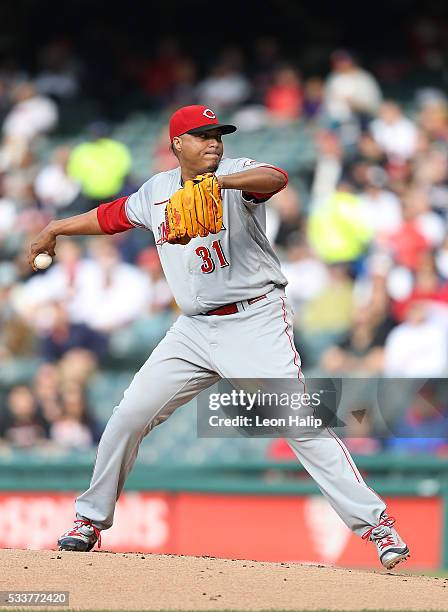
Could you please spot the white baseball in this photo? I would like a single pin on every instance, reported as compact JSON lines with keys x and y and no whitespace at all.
{"x":42,"y":261}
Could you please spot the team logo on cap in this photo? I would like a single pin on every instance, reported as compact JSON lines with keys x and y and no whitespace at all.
{"x":209,"y":114}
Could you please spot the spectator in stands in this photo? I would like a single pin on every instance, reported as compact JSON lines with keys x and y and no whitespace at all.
{"x":328,"y":168}
{"x":17,"y":187}
{"x":431,"y":173}
{"x":22,"y":426}
{"x":327,"y":316}
{"x":361,"y":350}
{"x":290,"y":218}
{"x":100,"y":293}
{"x":16,"y":338}
{"x":441,"y":260}
{"x":163,"y":158}
{"x":54,"y":188}
{"x":77,"y":366}
{"x":28,"y":221}
{"x":101,"y":166}
{"x":418,"y":347}
{"x":134,"y":341}
{"x":395,"y":133}
{"x":31,"y":116}
{"x":284,"y":99}
{"x":159,"y":296}
{"x":367,"y":153}
{"x":421,"y":230}
{"x":111,"y":293}
{"x":313,"y":92}
{"x":8,"y":222}
{"x":382,"y":205}
{"x":433,"y":117}
{"x":59,"y":71}
{"x":64,"y":282}
{"x":423,"y":428}
{"x":75,"y":429}
{"x":339,"y":228}
{"x":68,"y":283}
{"x":425,"y":285}
{"x":350,"y":90}
{"x":63,"y":335}
{"x":225,"y":88}
{"x":46,"y":391}
{"x":307,"y":275}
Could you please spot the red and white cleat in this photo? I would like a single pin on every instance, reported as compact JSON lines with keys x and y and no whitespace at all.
{"x":390,"y":547}
{"x":82,"y":537}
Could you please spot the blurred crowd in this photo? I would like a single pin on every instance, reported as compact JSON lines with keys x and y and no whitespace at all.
{"x":52,"y":412}
{"x":363,"y":242}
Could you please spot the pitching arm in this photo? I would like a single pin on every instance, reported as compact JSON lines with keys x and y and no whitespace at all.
{"x":257,"y":183}
{"x":79,"y":225}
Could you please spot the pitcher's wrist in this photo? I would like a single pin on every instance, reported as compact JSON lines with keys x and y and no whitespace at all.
{"x":221,"y":181}
{"x":54,"y":228}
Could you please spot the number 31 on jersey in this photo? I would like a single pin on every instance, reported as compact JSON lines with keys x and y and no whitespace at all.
{"x":208,"y":260}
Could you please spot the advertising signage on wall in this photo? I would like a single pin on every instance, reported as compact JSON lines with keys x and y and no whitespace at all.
{"x":260,"y":527}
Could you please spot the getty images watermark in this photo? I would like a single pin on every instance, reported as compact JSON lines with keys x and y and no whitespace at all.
{"x":252,"y":402}
{"x":267,"y":411}
{"x":406,"y":413}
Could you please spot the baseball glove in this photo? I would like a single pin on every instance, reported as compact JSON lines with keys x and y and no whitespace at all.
{"x":194,"y":210}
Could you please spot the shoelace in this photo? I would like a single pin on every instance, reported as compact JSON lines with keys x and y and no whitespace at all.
{"x":389,"y":521}
{"x":96,"y":531}
{"x":387,"y":541}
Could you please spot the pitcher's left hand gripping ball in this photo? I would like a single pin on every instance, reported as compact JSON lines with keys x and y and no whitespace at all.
{"x":194,"y":210}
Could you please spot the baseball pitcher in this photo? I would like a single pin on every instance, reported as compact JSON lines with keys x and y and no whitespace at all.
{"x":208,"y":218}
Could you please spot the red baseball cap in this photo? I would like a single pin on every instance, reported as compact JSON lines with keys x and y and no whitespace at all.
{"x":195,"y":119}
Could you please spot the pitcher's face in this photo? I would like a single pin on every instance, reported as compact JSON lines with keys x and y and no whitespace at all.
{"x":202,"y":151}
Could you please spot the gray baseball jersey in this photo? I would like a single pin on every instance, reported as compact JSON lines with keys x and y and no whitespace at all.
{"x":236,"y":264}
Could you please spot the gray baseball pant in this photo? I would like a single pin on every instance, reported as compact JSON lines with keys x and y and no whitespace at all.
{"x":256,"y":342}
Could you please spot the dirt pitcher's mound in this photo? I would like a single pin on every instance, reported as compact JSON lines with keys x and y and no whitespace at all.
{"x":106,"y":581}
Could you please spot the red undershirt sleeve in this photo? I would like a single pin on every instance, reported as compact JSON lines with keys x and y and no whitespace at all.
{"x":112,"y":217}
